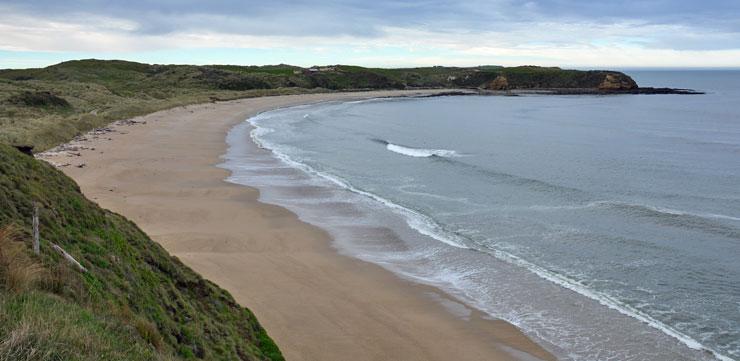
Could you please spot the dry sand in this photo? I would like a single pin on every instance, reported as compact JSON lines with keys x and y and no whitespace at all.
{"x":318,"y":305}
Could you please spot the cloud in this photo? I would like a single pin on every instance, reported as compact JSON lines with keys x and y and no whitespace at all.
{"x":362,"y":18}
{"x":542,"y":31}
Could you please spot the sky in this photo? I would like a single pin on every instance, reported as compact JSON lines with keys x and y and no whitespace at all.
{"x":381,"y":33}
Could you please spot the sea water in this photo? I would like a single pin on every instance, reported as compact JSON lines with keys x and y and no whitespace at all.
{"x":605,"y":227}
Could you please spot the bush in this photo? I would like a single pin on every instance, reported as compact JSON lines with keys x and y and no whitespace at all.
{"x":39,"y":99}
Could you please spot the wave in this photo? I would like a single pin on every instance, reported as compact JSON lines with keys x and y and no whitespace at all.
{"x":605,"y":300}
{"x":705,"y":222}
{"x":429,"y":227}
{"x":679,"y":219}
{"x":626,"y":205}
{"x":675,"y":212}
{"x":532,"y":184}
{"x":448,"y":155}
{"x":416,"y":220}
{"x":417,"y":152}
{"x":420,"y":153}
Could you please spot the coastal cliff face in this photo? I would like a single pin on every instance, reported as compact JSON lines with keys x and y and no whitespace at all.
{"x":499,"y":83}
{"x":611,"y":82}
{"x":617,"y":81}
{"x":538,"y":78}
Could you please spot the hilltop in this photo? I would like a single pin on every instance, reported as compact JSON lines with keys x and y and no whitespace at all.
{"x":47,"y":106}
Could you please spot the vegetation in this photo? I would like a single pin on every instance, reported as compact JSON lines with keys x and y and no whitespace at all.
{"x":135,"y":302}
{"x":45,"y":107}
{"x":39,"y":99}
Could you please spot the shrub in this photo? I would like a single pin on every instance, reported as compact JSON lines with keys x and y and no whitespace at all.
{"x":39,"y":99}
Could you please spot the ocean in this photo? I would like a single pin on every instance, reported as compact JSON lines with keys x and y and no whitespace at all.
{"x":604,"y":227}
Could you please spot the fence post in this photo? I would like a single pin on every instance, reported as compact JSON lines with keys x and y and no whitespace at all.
{"x":68,"y":257}
{"x":36,"y":242}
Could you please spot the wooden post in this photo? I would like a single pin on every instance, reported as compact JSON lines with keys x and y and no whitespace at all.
{"x":36,"y":242}
{"x":68,"y":257}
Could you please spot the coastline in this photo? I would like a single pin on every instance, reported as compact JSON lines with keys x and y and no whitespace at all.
{"x":161,"y":172}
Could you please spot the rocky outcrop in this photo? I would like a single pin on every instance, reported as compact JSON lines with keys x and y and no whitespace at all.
{"x":617,"y":81}
{"x":499,"y":83}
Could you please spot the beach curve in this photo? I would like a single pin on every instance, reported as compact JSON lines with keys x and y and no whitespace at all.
{"x":160,"y":171}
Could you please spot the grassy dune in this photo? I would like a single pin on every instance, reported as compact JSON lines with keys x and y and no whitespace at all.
{"x":98,"y":93}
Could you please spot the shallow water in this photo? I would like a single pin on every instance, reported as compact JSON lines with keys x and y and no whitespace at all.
{"x":606,"y":227}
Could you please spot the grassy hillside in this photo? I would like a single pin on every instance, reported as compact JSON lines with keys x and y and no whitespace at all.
{"x":135,"y":302}
{"x":45,"y":107}
{"x":97,"y":93}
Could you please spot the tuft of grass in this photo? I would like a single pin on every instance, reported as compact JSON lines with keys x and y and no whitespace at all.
{"x":268,"y":347}
{"x":18,"y":272}
{"x":42,"y":327}
{"x":149,"y":332}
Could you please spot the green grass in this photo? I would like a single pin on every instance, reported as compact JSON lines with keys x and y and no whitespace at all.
{"x":41,"y":326}
{"x":94,"y":104}
{"x":134,"y":291}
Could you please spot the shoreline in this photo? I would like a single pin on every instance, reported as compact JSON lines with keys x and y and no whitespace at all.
{"x":161,"y":171}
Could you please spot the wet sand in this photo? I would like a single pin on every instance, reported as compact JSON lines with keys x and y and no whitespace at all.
{"x":160,"y":171}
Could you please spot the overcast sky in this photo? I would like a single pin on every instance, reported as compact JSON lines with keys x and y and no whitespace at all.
{"x":571,"y":33}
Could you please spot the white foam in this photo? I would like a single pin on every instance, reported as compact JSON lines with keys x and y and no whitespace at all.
{"x":606,"y":300}
{"x":685,"y":213}
{"x":557,"y":208}
{"x":437,"y":196}
{"x":420,"y":222}
{"x":420,"y":152}
{"x":720,"y":216}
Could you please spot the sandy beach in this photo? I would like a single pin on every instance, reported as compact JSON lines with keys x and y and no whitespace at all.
{"x":161,"y":172}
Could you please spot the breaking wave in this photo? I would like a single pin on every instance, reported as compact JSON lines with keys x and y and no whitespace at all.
{"x":417,"y":152}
